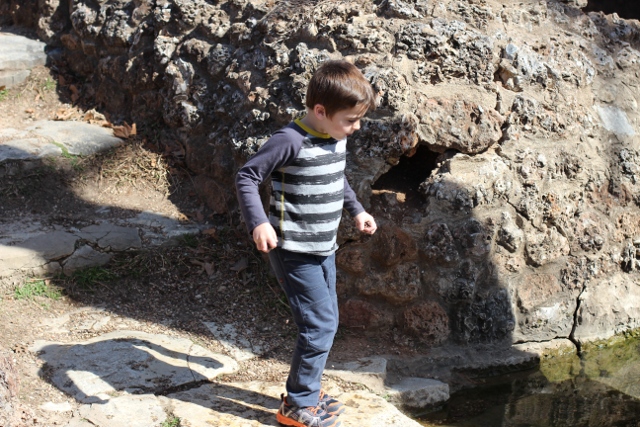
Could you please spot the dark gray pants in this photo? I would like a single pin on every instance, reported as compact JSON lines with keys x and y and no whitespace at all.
{"x":310,"y":284}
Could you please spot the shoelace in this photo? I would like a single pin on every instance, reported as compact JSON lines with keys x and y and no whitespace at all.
{"x":313,"y":410}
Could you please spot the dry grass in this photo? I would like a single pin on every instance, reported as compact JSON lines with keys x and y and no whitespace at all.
{"x":132,"y":165}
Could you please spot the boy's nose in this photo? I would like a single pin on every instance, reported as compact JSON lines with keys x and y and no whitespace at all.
{"x":356,"y":125}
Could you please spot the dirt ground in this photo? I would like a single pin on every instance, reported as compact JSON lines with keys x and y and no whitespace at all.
{"x":217,"y":276}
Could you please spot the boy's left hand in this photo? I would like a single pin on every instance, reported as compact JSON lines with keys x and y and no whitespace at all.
{"x":365,"y":223}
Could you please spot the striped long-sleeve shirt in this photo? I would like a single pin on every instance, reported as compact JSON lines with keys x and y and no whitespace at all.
{"x":309,"y":189}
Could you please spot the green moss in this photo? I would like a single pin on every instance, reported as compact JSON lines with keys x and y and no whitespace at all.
{"x":560,"y":364}
{"x":610,"y":356}
{"x":598,"y":358}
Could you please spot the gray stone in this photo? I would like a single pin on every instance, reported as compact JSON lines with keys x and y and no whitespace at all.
{"x":35,"y":252}
{"x":52,"y":246}
{"x":18,"y":55}
{"x":10,"y":43}
{"x":27,"y":148}
{"x":419,"y":393}
{"x":128,"y":361}
{"x":615,"y":120}
{"x":78,"y":138}
{"x":11,"y":78}
{"x":112,"y":237}
{"x":85,"y":257}
{"x":368,"y":371}
{"x":20,"y":60}
{"x":131,"y":411}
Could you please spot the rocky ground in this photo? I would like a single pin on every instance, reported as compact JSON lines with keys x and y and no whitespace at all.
{"x":184,"y":288}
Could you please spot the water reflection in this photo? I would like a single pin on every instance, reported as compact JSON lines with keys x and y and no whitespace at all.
{"x":600,"y":389}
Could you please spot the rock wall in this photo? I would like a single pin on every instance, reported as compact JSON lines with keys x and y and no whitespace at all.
{"x":503,"y":162}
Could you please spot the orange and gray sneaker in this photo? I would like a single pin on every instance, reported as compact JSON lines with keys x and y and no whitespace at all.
{"x":295,"y":416}
{"x":331,"y":405}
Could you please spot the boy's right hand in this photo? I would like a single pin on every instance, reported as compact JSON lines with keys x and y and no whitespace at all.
{"x":264,"y":235}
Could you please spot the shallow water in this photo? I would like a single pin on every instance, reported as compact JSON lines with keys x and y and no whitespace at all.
{"x":599,"y":389}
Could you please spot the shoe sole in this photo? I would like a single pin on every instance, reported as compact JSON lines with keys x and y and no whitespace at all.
{"x":293,"y":423}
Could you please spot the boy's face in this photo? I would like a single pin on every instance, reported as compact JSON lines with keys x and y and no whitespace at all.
{"x":343,"y":123}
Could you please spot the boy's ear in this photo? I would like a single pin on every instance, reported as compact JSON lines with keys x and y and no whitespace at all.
{"x":319,"y":111}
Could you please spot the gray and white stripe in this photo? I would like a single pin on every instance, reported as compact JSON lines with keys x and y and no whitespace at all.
{"x":308,"y":196}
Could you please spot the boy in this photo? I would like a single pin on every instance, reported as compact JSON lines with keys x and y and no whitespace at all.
{"x":306,"y":161}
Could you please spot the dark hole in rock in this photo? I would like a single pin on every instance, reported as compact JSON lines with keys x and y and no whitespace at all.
{"x":624,"y":8}
{"x":404,"y":179}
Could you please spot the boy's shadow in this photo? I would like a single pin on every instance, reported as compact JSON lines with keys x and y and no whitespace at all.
{"x":98,"y":372}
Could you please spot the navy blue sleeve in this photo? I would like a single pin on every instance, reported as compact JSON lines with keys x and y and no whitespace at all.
{"x":281,"y":149}
{"x":351,"y":203}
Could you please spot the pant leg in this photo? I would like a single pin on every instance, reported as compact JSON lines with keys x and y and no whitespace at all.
{"x":310,"y":284}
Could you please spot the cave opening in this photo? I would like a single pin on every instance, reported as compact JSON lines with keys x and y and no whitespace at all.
{"x":624,"y":8}
{"x":404,"y":179}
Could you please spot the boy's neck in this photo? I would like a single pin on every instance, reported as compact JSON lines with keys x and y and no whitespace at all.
{"x":310,"y":121}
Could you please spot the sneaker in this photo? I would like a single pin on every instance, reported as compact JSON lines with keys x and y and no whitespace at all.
{"x":289,"y":415}
{"x":331,"y":405}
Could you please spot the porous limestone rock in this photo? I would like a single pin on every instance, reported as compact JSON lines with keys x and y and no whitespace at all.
{"x":502,"y":163}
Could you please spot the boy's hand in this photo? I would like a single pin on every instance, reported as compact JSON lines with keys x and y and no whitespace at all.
{"x":265,"y":237}
{"x":365,"y":223}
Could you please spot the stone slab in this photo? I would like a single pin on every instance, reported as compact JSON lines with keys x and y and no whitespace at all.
{"x":112,"y":237}
{"x":18,"y":55}
{"x":27,"y":148}
{"x":25,"y":60}
{"x":368,"y":371}
{"x":78,"y":138}
{"x":130,"y":411}
{"x":134,"y":362}
{"x":10,"y":78}
{"x":54,"y":245}
{"x":255,"y":405}
{"x":36,"y":251}
{"x":19,"y":144}
{"x":418,"y":393}
{"x":14,"y":43}
{"x":85,"y":257}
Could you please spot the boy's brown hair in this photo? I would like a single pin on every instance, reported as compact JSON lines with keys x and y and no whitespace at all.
{"x":338,"y":85}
